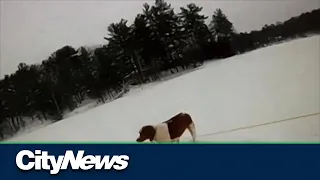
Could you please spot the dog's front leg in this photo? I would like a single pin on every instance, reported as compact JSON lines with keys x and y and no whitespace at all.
{"x":153,"y":142}
{"x":177,"y":140}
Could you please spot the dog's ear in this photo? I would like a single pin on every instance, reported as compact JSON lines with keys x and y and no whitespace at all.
{"x":149,"y":132}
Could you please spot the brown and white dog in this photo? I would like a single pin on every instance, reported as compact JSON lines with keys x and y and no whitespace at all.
{"x":168,"y":131}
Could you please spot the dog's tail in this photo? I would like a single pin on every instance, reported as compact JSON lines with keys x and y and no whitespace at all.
{"x":192,"y":130}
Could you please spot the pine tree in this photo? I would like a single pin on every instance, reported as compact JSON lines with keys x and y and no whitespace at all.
{"x":195,"y":33}
{"x":220,"y":26}
{"x":121,"y":43}
{"x":193,"y":24}
{"x":164,"y":24}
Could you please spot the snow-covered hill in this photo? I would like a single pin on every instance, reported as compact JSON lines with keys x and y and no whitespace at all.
{"x":271,"y":94}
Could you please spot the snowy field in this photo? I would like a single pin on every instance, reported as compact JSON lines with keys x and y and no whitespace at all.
{"x":271,"y":94}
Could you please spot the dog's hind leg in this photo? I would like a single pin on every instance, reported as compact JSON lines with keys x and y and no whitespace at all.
{"x":192,"y":130}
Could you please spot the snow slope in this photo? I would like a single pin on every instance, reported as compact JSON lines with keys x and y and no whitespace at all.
{"x":227,"y":99}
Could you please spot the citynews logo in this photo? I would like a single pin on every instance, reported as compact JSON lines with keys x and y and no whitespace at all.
{"x":40,"y":160}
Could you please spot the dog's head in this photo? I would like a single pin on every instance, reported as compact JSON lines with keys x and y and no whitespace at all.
{"x":146,"y":132}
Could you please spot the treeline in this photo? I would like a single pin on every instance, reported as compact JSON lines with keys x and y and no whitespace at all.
{"x":159,"y":40}
{"x":295,"y":27}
